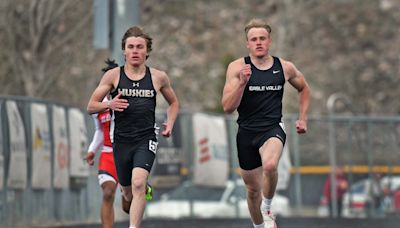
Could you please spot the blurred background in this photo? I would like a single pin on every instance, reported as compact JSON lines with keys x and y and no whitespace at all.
{"x":51,"y":56}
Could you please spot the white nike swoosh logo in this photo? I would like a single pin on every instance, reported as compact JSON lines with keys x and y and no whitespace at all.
{"x":276,"y":71}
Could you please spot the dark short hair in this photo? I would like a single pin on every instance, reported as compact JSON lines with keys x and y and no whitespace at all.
{"x":111,"y":64}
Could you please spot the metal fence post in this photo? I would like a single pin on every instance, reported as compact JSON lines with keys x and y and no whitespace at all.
{"x":370,"y":162}
{"x":297,"y":163}
{"x":332,"y":146}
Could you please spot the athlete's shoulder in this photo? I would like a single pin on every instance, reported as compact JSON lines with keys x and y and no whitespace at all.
{"x":289,"y":68}
{"x":159,"y":77}
{"x":158,"y":74}
{"x":112,"y":73}
{"x":239,"y":61}
{"x":237,"y":64}
{"x":285,"y":63}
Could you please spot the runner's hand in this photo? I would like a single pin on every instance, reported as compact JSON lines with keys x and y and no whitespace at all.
{"x":90,"y":158}
{"x":118,"y":104}
{"x":244,"y":74}
{"x":301,"y":126}
{"x":167,"y":130}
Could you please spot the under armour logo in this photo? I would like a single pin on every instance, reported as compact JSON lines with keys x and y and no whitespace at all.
{"x":135,"y":84}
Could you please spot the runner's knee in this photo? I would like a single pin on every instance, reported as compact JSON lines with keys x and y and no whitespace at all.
{"x":253,"y":193}
{"x":138,"y":185}
{"x":270,"y":167}
{"x":108,"y":194}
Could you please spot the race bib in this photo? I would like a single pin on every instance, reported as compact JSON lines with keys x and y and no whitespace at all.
{"x":153,"y":146}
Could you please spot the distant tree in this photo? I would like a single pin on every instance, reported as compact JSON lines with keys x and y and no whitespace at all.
{"x":41,"y":42}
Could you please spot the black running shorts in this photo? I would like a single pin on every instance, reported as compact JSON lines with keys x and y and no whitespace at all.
{"x":132,"y":155}
{"x":249,"y":143}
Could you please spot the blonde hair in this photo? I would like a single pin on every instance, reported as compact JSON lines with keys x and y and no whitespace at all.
{"x":257,"y":23}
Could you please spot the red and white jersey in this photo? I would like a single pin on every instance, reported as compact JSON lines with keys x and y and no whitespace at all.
{"x":101,"y":136}
{"x":105,"y":119}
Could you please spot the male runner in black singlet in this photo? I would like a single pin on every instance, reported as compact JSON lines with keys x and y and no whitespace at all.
{"x":254,"y":87}
{"x":134,"y":87}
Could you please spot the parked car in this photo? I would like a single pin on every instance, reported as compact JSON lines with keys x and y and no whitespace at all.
{"x":209,"y":202}
{"x":357,"y":202}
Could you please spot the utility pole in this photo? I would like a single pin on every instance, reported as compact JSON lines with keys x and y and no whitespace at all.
{"x":125,"y":14}
{"x":111,"y":19}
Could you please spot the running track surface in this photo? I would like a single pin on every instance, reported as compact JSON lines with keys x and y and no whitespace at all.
{"x":245,"y":223}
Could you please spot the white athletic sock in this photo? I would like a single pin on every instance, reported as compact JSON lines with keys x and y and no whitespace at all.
{"x":258,"y":226}
{"x":266,"y":204}
{"x":132,"y":226}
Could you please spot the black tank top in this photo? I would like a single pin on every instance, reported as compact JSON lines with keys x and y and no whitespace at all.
{"x":261,"y":104}
{"x":137,"y":121}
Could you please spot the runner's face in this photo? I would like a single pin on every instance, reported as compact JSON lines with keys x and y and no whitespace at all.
{"x":258,"y":42}
{"x":135,"y":51}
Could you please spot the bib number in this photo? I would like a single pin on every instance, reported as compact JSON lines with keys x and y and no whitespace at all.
{"x":153,"y":146}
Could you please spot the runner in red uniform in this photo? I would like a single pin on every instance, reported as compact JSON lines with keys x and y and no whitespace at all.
{"x":107,"y":174}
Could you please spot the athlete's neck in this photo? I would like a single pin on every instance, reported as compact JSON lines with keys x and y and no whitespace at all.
{"x":135,"y":70}
{"x":262,"y":62}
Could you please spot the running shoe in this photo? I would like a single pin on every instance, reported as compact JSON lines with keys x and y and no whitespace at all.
{"x":269,"y":220}
{"x":149,"y":192}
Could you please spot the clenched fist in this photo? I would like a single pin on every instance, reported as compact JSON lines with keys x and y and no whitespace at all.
{"x":244,"y":74}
